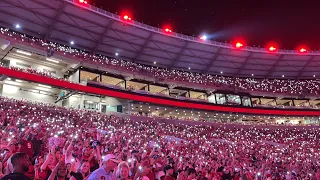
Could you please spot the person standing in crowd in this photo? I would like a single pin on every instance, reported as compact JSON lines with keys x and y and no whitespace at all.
{"x":123,"y":171}
{"x":59,"y":172}
{"x":192,"y":174}
{"x":105,"y":172}
{"x":168,"y":170}
{"x":82,"y":173}
{"x":21,"y":163}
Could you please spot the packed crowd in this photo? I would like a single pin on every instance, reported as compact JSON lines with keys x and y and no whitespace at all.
{"x":289,"y":87}
{"x":42,"y":141}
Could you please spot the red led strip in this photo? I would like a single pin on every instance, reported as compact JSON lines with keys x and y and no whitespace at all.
{"x":153,"y":100}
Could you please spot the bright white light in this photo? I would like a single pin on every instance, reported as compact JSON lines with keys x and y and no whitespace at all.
{"x":41,"y":85}
{"x":204,"y":37}
{"x":282,"y":75}
{"x":23,"y":52}
{"x":117,"y":54}
{"x":154,"y":62}
{"x":252,"y":74}
{"x":221,"y":72}
{"x":18,"y":26}
{"x":52,"y":60}
{"x":72,"y":43}
{"x":189,"y":68}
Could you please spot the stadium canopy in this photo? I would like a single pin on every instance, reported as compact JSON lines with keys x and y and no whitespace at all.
{"x":98,"y":31}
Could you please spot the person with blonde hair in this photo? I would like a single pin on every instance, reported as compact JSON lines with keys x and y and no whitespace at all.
{"x":123,"y":171}
{"x":82,"y":173}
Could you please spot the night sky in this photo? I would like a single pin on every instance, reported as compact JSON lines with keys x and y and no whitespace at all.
{"x":287,"y":23}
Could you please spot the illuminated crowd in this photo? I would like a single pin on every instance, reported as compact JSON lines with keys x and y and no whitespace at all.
{"x":289,"y":87}
{"x":72,"y":144}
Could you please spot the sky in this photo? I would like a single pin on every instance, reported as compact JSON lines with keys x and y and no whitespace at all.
{"x":286,"y":24}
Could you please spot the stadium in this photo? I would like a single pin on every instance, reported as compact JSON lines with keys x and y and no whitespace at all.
{"x":86,"y":91}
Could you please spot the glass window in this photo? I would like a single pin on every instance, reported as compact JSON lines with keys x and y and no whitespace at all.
{"x":220,"y":99}
{"x":212,"y":99}
{"x":91,"y":105}
{"x":233,"y":99}
{"x":246,"y":101}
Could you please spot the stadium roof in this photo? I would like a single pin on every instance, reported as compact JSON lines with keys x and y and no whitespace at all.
{"x":102,"y":32}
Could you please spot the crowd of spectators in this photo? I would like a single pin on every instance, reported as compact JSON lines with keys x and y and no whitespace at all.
{"x":42,"y":141}
{"x":283,"y":86}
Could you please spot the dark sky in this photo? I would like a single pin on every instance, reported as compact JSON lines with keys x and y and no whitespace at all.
{"x":259,"y":22}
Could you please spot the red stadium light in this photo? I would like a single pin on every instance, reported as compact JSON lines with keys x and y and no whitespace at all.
{"x":303,"y":50}
{"x":83,"y":1}
{"x":239,"y":45}
{"x":168,"y":30}
{"x":272,"y":48}
{"x":126,"y":17}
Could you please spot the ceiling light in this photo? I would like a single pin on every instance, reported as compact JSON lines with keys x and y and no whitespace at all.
{"x":189,"y":68}
{"x":72,"y":43}
{"x":41,"y":85}
{"x":18,"y":26}
{"x":23,"y":52}
{"x":117,"y":54}
{"x":154,"y":62}
{"x":221,"y":72}
{"x":52,"y":60}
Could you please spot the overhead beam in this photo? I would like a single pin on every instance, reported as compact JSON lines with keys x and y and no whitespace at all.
{"x":274,"y":66}
{"x":55,"y":19}
{"x":308,"y":62}
{"x":179,"y":54}
{"x":100,"y":40}
{"x":244,"y":64}
{"x":212,"y":61}
{"x":143,"y":47}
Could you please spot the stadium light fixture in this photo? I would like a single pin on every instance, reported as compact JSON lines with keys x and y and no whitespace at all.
{"x":203,"y":37}
{"x":239,"y":45}
{"x":117,"y":54}
{"x":72,"y":42}
{"x":154,"y":62}
{"x":17,"y":26}
{"x":126,"y":17}
{"x":83,"y":1}
{"x":189,"y":68}
{"x":272,"y":48}
{"x":24,"y":52}
{"x":167,"y":30}
{"x":303,"y":50}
